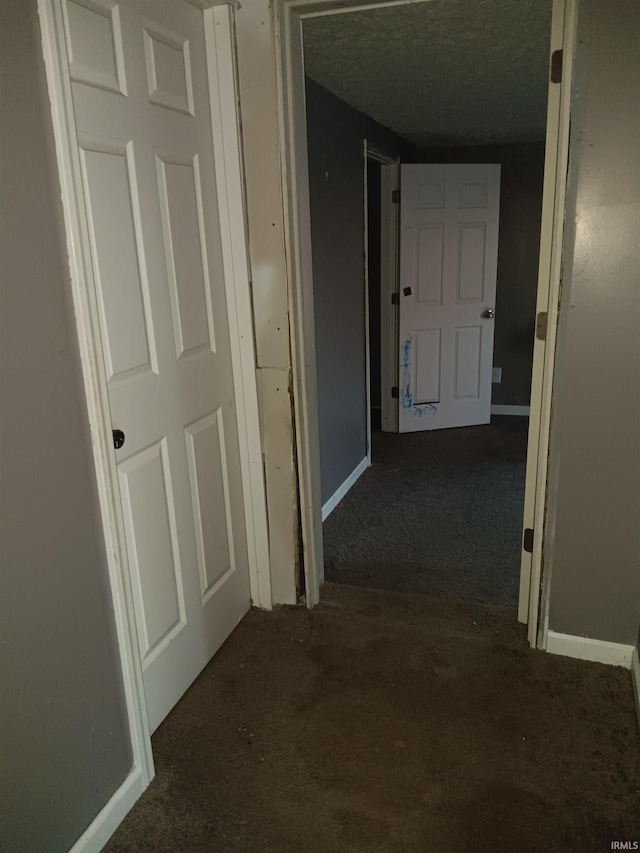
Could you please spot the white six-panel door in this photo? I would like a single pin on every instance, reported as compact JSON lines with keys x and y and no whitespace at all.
{"x":143,"y":120}
{"x":448,"y":261}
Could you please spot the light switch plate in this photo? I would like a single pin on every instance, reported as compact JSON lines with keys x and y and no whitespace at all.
{"x":496,"y":376}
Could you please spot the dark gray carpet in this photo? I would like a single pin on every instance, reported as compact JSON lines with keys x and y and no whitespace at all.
{"x":438,"y":513}
{"x":387,"y":723}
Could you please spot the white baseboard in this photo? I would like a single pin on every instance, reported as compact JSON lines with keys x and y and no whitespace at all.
{"x":635,"y":677}
{"x":100,"y":830}
{"x":342,"y":490}
{"x":510,"y":410}
{"x":584,"y":648}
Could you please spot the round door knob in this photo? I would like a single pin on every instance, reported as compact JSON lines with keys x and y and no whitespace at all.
{"x":488,"y":314}
{"x":118,"y":438}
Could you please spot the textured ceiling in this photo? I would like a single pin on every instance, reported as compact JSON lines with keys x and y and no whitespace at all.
{"x":439,"y":72}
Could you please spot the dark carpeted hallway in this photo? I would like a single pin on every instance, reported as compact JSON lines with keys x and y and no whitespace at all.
{"x":438,"y":513}
{"x":387,"y":722}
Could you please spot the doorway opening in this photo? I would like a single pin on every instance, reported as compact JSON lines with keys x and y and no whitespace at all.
{"x":509,"y":445}
{"x":440,"y":510}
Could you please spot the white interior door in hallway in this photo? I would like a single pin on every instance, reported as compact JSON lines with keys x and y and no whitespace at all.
{"x":143,"y":119}
{"x":448,"y":261}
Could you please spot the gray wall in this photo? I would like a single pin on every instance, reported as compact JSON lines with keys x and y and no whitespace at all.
{"x":518,"y":249}
{"x":65,"y":745}
{"x":336,"y":182}
{"x":595,"y":461}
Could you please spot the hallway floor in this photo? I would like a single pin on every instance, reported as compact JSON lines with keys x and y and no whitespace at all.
{"x":438,"y":513}
{"x":387,"y":722}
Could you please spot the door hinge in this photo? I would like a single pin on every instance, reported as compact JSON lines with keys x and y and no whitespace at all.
{"x":556,"y":66}
{"x":395,"y":299}
{"x":527,"y":542}
{"x":395,"y":392}
{"x":541,"y":325}
{"x":395,"y":196}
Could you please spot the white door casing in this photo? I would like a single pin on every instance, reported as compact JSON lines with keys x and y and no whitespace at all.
{"x":389,"y":277}
{"x":389,"y":181}
{"x":448,"y":264}
{"x":142,"y":112}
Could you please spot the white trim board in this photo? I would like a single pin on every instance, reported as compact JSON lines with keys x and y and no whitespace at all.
{"x":635,"y":678}
{"x":511,"y":410}
{"x":342,"y":490}
{"x":102,"y":827}
{"x":219,"y":39}
{"x":367,"y":309}
{"x":585,"y":648}
{"x":534,"y":583}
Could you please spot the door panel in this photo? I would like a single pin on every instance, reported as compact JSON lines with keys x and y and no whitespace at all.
{"x":184,"y":241}
{"x":94,"y":38}
{"x":142,"y":111}
{"x":168,"y":67}
{"x":211,"y":504}
{"x":448,"y":264}
{"x":154,"y":562}
{"x":431,"y":264}
{"x":123,"y":289}
{"x":427,"y":366}
{"x":467,"y":354}
{"x":471,"y":247}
